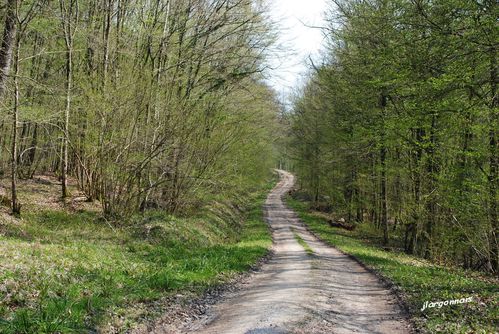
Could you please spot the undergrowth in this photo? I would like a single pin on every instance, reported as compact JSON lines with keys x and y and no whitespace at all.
{"x":64,"y":272}
{"x":419,"y":281}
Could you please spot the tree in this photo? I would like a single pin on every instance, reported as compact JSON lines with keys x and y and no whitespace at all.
{"x":408,"y":92}
{"x":8,"y":41}
{"x":139,"y":101}
{"x":69,"y":21}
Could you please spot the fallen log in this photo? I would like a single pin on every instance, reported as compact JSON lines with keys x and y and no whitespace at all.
{"x":340,"y":224}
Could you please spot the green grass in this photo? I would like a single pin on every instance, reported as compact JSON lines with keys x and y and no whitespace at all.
{"x":72,"y":272}
{"x":420,"y":281}
{"x":303,"y":243}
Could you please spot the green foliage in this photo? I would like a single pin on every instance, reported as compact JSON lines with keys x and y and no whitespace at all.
{"x":419,"y":281}
{"x":70,"y":273}
{"x":167,"y":105}
{"x":399,"y":127}
{"x":303,"y":243}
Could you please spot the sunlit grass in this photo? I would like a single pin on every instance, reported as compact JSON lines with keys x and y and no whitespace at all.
{"x":66,"y":272}
{"x":419,"y":281}
{"x":303,"y":243}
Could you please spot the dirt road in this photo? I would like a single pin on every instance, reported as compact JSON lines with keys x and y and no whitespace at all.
{"x":297,"y":292}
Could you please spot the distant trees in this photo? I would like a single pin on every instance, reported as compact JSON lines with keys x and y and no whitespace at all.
{"x":140,"y":101}
{"x":399,"y":127}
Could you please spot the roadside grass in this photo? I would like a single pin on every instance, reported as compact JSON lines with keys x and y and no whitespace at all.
{"x":303,"y":243}
{"x":67,"y":272}
{"x":419,"y":281}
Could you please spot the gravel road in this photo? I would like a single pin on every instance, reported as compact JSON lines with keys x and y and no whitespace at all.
{"x":297,"y":292}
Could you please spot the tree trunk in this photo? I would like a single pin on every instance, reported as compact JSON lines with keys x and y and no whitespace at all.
{"x":431,"y":205}
{"x":69,"y":68}
{"x":412,"y":228}
{"x":9,"y":36}
{"x":69,"y":13}
{"x":382,"y":156}
{"x":494,"y":166}
{"x":107,"y":29}
{"x":16,"y":207}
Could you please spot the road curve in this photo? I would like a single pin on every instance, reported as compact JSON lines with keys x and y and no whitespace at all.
{"x":295,"y":292}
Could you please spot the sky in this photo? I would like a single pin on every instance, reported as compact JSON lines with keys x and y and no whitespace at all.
{"x":298,"y":41}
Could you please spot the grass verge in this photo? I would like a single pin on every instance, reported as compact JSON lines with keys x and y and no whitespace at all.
{"x":64,"y":272}
{"x":303,"y":243}
{"x":420,"y":281}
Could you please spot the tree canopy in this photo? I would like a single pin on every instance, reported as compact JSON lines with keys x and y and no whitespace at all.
{"x":150,"y":103}
{"x":398,"y":128}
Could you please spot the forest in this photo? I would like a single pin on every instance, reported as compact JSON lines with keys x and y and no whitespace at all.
{"x":141,"y":102}
{"x":135,"y":139}
{"x":397,"y":129}
{"x":154,"y":178}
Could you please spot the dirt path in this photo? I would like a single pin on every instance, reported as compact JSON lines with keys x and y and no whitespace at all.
{"x":295,"y":292}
